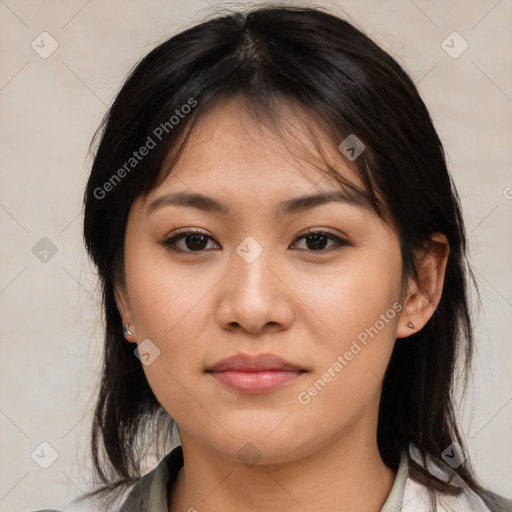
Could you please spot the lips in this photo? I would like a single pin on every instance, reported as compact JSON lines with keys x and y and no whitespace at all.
{"x":254,"y":375}
{"x":261,"y":362}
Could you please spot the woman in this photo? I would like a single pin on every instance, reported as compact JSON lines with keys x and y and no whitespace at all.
{"x":283,"y":263}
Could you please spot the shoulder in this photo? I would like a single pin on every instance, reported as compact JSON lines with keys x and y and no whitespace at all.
{"x":417,"y":497}
{"x":149,"y":493}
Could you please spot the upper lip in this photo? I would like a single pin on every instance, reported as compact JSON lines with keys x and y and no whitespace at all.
{"x":244,"y":362}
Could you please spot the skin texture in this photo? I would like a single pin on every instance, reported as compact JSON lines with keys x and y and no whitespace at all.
{"x":306,"y":306}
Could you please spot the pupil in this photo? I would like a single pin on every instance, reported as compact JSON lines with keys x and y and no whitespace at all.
{"x":197,"y":241}
{"x":315,"y":239}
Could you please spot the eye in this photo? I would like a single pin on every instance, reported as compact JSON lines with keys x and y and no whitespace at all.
{"x":316,"y":240}
{"x":196,"y":241}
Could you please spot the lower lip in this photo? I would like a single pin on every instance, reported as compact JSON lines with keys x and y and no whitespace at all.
{"x":256,"y":382}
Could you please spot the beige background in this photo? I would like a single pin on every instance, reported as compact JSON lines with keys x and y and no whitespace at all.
{"x":50,"y":328}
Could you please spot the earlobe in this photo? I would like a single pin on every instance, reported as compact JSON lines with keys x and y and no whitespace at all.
{"x":125,"y":313}
{"x":424,"y":292}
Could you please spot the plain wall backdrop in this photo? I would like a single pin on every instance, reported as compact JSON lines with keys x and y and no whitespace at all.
{"x":62,"y":64}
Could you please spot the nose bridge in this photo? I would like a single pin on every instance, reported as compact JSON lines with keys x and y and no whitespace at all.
{"x":253,"y":296}
{"x":251,"y":275}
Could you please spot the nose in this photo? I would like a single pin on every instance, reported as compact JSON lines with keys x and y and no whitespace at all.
{"x":255,"y":297}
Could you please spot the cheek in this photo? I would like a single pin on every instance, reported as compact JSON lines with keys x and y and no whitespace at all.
{"x":351,"y":297}
{"x":163,"y":295}
{"x":350,"y":366}
{"x":166,"y":305}
{"x":359,"y":308}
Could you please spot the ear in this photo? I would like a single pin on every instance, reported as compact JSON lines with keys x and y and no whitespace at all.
{"x":123,"y":305}
{"x":424,"y":293}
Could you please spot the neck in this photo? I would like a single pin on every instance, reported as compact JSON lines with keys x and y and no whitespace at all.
{"x":346,"y":474}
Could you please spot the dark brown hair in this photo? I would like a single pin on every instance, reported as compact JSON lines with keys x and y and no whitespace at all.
{"x":331,"y":72}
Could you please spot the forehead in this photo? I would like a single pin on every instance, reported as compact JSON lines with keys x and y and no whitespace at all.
{"x":231,"y":151}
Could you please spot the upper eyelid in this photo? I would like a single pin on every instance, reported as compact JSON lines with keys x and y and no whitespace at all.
{"x":201,"y":231}
{"x":197,"y":231}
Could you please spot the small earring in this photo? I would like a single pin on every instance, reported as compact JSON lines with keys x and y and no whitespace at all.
{"x":410,"y":325}
{"x":126,"y":331}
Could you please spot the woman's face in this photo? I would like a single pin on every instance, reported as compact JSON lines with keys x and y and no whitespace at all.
{"x":254,"y":284}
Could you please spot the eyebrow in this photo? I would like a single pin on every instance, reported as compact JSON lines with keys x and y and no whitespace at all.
{"x":355,"y":197}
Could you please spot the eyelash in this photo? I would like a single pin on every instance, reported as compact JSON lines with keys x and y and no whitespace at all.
{"x":171,"y":242}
